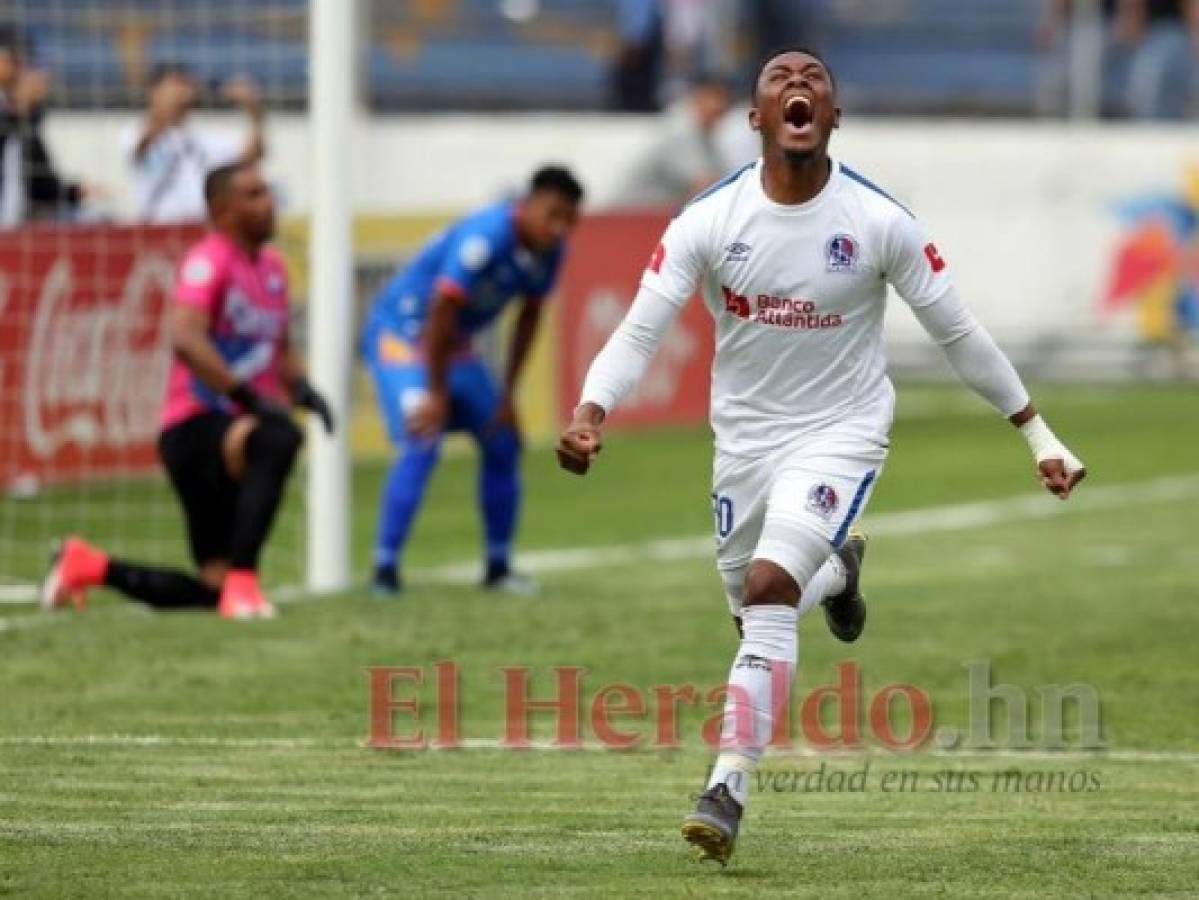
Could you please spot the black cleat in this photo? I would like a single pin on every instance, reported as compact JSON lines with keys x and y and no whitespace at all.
{"x":501,"y":579}
{"x":511,"y":583}
{"x":386,"y":582}
{"x":712,"y":829}
{"x":846,"y":612}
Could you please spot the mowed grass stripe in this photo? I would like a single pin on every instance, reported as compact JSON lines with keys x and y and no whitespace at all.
{"x":901,"y":523}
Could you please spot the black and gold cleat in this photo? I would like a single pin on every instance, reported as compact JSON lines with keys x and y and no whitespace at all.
{"x":712,"y":829}
{"x":845,"y":613}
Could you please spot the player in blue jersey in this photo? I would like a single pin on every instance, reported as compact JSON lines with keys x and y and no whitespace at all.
{"x":428,"y":379}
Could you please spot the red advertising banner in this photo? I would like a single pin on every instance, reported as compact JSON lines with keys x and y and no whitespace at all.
{"x":608,"y":254}
{"x":83,"y":349}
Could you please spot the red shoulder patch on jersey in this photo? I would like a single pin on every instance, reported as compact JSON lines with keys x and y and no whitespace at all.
{"x":659,"y":257}
{"x":934,"y":258}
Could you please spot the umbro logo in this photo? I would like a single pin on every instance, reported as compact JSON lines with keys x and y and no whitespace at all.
{"x":753,"y":661}
{"x":737,"y":252}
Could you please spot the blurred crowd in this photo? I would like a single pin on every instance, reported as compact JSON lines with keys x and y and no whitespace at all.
{"x":665,"y":45}
{"x":682,"y":60}
{"x":167,"y":155}
{"x":678,"y":52}
{"x":30,"y":187}
{"x":1146,"y":50}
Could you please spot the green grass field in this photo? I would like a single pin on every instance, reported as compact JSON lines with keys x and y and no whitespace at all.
{"x":147,"y":754}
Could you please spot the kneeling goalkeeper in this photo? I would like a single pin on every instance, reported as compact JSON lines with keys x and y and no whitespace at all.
{"x":228,"y":442}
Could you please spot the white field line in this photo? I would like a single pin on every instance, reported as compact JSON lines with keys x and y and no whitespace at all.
{"x":495,"y":744}
{"x":902,"y":523}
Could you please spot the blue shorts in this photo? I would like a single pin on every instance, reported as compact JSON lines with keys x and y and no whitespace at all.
{"x":401,"y":382}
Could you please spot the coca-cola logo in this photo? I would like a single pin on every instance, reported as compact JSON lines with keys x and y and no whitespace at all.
{"x":97,"y":366}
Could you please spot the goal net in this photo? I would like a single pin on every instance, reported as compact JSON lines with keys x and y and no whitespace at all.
{"x":88,"y":255}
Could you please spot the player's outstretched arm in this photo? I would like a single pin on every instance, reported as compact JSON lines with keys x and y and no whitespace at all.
{"x":668,"y":283}
{"x":921,"y":277}
{"x":613,"y":374}
{"x":980,"y":364}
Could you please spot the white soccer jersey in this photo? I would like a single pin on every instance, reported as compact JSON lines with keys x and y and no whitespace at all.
{"x":168,"y":180}
{"x":801,"y":403}
{"x":798,"y":296}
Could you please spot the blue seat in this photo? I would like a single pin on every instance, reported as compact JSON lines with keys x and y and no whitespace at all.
{"x":935,"y":55}
{"x":925,"y":56}
{"x":79,"y":61}
{"x":281,"y":66}
{"x":485,"y":73}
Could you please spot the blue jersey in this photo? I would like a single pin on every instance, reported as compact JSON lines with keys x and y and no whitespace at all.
{"x":478,"y":261}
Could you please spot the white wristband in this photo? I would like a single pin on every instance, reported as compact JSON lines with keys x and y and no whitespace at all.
{"x":1044,"y":444}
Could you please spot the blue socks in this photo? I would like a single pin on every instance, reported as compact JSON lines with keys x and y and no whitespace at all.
{"x":402,"y":495}
{"x":499,"y":498}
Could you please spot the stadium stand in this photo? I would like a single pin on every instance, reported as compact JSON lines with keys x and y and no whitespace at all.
{"x":101,"y":53}
{"x":921,"y":56}
{"x":933,"y":55}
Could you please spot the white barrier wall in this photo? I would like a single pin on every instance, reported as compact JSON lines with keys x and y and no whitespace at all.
{"x":1024,"y":212}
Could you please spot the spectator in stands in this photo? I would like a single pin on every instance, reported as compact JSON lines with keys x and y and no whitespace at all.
{"x":700,"y":37}
{"x":1148,"y":59}
{"x":637,"y":70}
{"x":684,"y":159}
{"x":30,"y":187}
{"x":1165,"y":38}
{"x":170,"y":159}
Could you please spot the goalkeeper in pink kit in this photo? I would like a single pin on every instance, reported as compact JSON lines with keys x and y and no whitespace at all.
{"x":228,"y":441}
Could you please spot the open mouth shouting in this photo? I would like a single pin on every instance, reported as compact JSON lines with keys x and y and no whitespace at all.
{"x":798,"y":113}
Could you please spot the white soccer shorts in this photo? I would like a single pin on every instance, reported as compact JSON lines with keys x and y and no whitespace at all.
{"x":792,"y":508}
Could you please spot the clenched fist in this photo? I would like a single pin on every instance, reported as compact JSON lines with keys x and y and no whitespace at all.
{"x":581,"y":442}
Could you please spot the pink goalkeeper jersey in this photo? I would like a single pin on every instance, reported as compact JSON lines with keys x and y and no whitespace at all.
{"x":246,"y":300}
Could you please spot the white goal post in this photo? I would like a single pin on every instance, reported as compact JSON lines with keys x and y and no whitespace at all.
{"x":332,"y":25}
{"x":85,"y":288}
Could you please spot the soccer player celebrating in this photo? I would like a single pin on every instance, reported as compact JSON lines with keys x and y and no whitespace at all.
{"x":794,"y":254}
{"x":428,"y":380}
{"x":228,"y":441}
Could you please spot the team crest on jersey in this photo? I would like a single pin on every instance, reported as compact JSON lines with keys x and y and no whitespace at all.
{"x":841,"y":254}
{"x":737,"y":252}
{"x":822,"y":500}
{"x":198,"y":270}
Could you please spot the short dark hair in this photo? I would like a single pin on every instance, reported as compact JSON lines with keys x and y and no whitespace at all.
{"x":783,"y":50}
{"x":558,"y":179}
{"x":218,"y":180}
{"x":166,"y":70}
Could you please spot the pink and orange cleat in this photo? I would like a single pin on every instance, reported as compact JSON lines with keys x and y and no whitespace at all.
{"x":242,"y":598}
{"x":74,"y":567}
